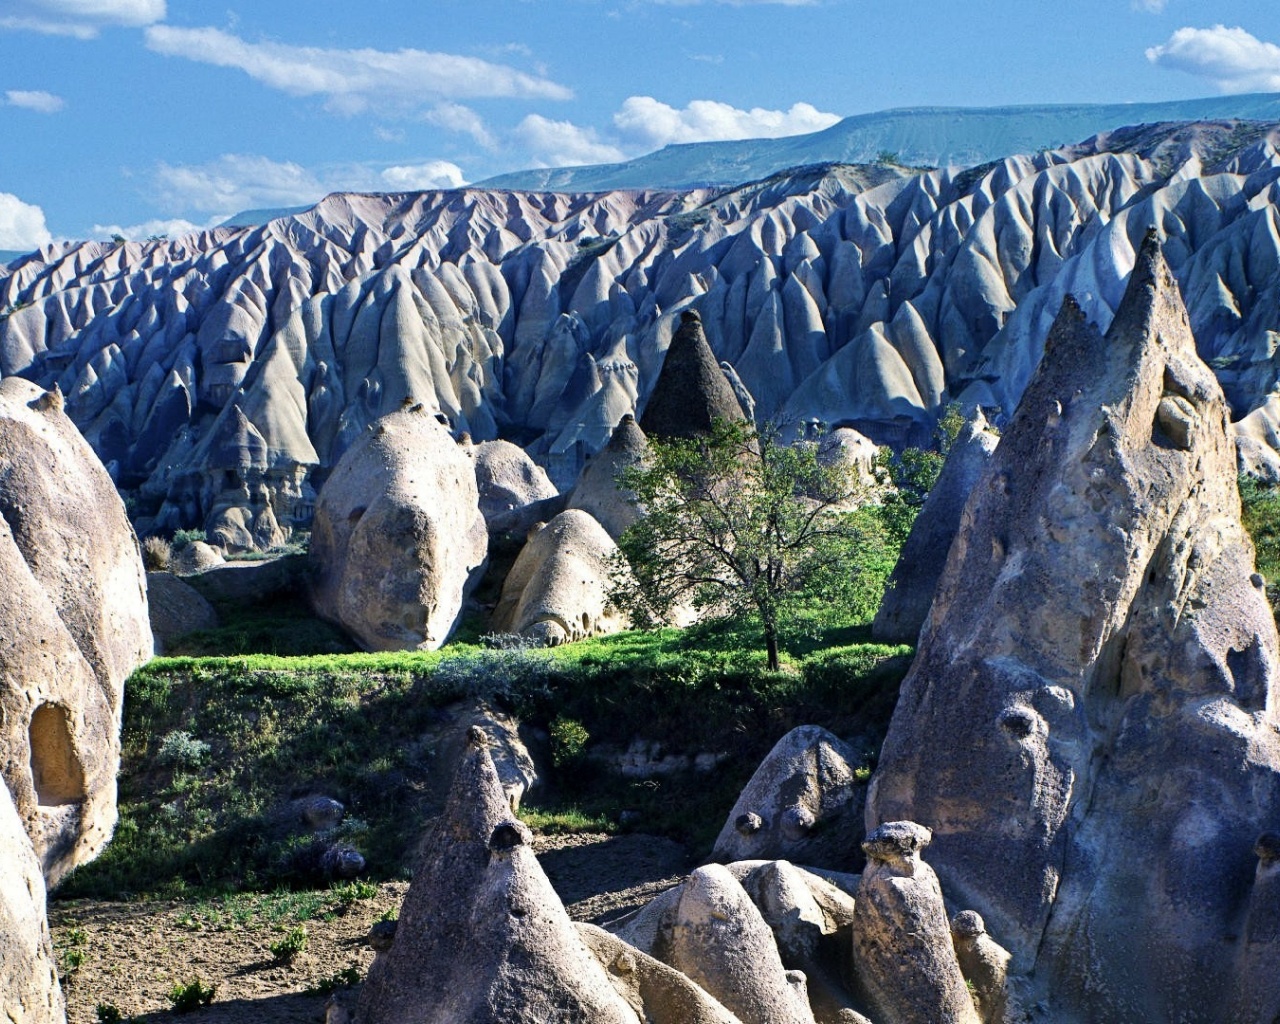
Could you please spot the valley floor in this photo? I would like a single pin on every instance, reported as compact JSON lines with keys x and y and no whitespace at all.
{"x":131,"y":954}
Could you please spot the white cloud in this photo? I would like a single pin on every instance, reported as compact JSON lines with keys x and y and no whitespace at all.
{"x":173,"y":228}
{"x":646,"y":122}
{"x":455,"y":117}
{"x":1232,"y":59}
{"x":82,"y":19}
{"x":35,"y":99}
{"x":564,"y":144}
{"x":353,"y":80}
{"x":422,"y":177}
{"x":236,"y":182}
{"x":1152,"y":6}
{"x":22,"y":224}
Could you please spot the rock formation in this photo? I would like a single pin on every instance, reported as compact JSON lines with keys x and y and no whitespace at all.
{"x":597,"y":491}
{"x":482,"y":936}
{"x":902,"y":950}
{"x":854,"y":296}
{"x":73,"y":626}
{"x":398,"y":538}
{"x":507,"y":479}
{"x":691,"y":391}
{"x":176,"y":609}
{"x":1090,"y":725}
{"x":914,"y":579}
{"x":803,"y":804}
{"x":985,"y":966}
{"x":558,"y":589}
{"x":29,"y":990}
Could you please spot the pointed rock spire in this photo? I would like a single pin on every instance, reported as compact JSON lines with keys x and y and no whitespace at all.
{"x":692,"y":390}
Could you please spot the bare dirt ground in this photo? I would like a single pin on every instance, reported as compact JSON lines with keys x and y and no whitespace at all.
{"x":132,"y":954}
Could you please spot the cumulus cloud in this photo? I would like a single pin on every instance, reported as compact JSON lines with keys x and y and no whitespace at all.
{"x":171,"y":228}
{"x":22,"y":225}
{"x":81,"y":19}
{"x":455,"y":117}
{"x":646,"y":122}
{"x":353,"y":80}
{"x":237,"y":181}
{"x":564,"y":144}
{"x":1231,"y":58}
{"x":35,"y":99}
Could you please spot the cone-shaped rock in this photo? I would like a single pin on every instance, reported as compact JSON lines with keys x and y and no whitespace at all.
{"x":692,"y":391}
{"x":597,"y":490}
{"x":1090,"y":724}
{"x":915,"y":577}
{"x":482,"y":937}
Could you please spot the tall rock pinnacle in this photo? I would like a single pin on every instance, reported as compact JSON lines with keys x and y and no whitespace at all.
{"x":692,"y":390}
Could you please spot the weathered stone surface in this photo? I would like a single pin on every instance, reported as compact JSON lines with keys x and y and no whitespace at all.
{"x":924,"y":554}
{"x":691,"y":391}
{"x":844,"y":446}
{"x":1256,"y":997}
{"x":196,"y":557}
{"x":985,"y":966}
{"x":398,"y":538}
{"x":902,"y":952}
{"x":658,"y":993}
{"x":176,"y":608}
{"x":720,"y":941}
{"x":511,"y":759}
{"x":73,"y":626}
{"x":482,"y":936}
{"x":803,"y":804}
{"x":597,"y":492}
{"x":29,"y":991}
{"x":557,"y":590}
{"x":507,"y":479}
{"x":1090,"y":725}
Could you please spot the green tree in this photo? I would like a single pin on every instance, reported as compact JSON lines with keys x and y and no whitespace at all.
{"x":914,"y":471}
{"x":736,"y":522}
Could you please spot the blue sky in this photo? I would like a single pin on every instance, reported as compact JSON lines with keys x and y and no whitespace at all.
{"x":152,"y":116}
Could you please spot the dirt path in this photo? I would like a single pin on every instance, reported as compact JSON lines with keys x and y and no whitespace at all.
{"x":132,"y":954}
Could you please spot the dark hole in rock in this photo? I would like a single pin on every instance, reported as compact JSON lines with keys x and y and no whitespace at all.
{"x":56,"y":772}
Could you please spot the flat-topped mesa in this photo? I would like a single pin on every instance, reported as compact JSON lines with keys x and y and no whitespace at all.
{"x":691,"y":391}
{"x":1089,"y":726}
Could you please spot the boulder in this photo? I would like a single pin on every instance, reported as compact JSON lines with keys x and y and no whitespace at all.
{"x":924,"y":554}
{"x":398,"y":539}
{"x":29,"y":991}
{"x":720,"y":941}
{"x":803,"y":804}
{"x":985,"y":966}
{"x":902,"y":951}
{"x":597,"y":491}
{"x":558,"y":589}
{"x":1090,"y":724}
{"x":691,"y":391}
{"x":845,"y":447}
{"x":73,"y":626}
{"x":176,"y":609}
{"x":197,"y":557}
{"x":482,"y":936}
{"x":507,"y":479}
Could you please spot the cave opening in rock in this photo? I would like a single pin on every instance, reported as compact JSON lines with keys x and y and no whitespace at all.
{"x":55,"y":770}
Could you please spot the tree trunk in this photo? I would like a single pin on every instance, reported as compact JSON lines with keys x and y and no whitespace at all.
{"x":771,"y":644}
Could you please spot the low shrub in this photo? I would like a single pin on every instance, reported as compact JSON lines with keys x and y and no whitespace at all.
{"x":185,"y":998}
{"x":286,"y":950}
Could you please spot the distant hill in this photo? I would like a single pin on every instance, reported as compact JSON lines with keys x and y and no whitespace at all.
{"x":254,"y":218}
{"x":917,"y":136}
{"x":7,"y":256}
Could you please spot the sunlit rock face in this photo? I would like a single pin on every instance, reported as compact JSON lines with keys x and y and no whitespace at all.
{"x":220,"y":376}
{"x":1090,"y":725}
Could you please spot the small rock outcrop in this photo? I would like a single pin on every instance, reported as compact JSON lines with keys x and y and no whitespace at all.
{"x":803,"y":804}
{"x":29,"y":990}
{"x":1090,"y":724}
{"x":597,"y":491}
{"x":482,"y":936}
{"x":903,"y":956}
{"x":558,"y":589}
{"x":507,"y":479}
{"x":398,"y":539}
{"x":176,"y":608}
{"x":73,"y":626}
{"x":984,"y":964}
{"x":691,"y":391}
{"x":924,"y":554}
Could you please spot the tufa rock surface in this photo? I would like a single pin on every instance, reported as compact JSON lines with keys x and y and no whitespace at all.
{"x":902,"y":951}
{"x":691,"y":391}
{"x":507,"y":479}
{"x":597,"y":491}
{"x":398,"y":538}
{"x":803,"y":804}
{"x":1090,"y":725}
{"x":73,"y":626}
{"x":482,"y":936}
{"x":29,"y":991}
{"x":557,"y":590}
{"x":176,"y":609}
{"x":924,"y":554}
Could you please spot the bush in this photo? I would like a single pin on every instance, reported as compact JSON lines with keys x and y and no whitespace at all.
{"x":568,"y":740}
{"x":191,"y":996}
{"x":156,"y":554}
{"x":287,"y":949}
{"x":109,"y":1013}
{"x":185,"y":538}
{"x":181,"y":750}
